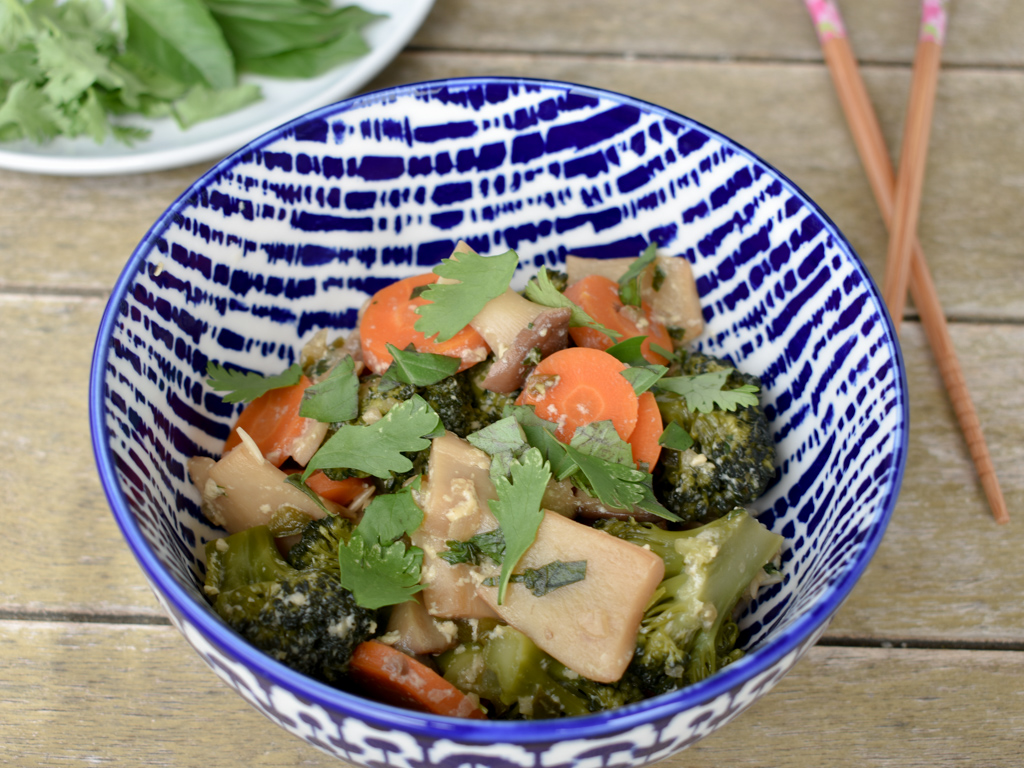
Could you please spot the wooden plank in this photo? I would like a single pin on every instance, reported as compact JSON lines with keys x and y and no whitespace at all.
{"x":66,"y":234}
{"x":983,"y":33}
{"x":935,"y":576}
{"x":64,"y":553}
{"x":132,"y":695}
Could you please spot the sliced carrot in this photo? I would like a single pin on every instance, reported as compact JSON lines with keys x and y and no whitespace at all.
{"x":580,"y":385}
{"x":273,"y":421}
{"x":390,"y":676}
{"x":389,"y":318}
{"x":649,"y":426}
{"x":341,"y":492}
{"x":598,"y":296}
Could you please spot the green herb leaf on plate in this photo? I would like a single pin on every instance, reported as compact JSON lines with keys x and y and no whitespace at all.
{"x":704,"y":391}
{"x":629,"y":283}
{"x":334,"y":398}
{"x":675,"y":437}
{"x":540,"y":290}
{"x":421,"y":369}
{"x":453,"y":305}
{"x":378,"y":449}
{"x":245,"y":386}
{"x":518,"y":510}
{"x":378,"y":574}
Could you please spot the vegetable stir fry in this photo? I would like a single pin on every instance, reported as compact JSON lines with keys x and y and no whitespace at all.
{"x":491,"y":503}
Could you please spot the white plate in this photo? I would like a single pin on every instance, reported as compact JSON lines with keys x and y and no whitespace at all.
{"x":170,"y":147}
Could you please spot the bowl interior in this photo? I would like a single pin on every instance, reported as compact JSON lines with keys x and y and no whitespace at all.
{"x":292,"y":233}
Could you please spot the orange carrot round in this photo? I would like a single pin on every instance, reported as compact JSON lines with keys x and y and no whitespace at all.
{"x":341,"y":492}
{"x":649,"y":426}
{"x":272,"y":420}
{"x":580,"y":385}
{"x":389,"y":318}
{"x":598,"y":296}
{"x":388,"y":675}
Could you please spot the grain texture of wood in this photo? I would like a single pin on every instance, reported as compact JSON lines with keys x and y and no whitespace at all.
{"x":56,"y":234}
{"x":981,"y":34}
{"x":64,"y":553}
{"x":934,"y":577}
{"x":78,"y":693}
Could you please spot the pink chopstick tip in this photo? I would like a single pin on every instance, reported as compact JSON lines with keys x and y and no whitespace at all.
{"x":827,"y":21}
{"x":933,"y":21}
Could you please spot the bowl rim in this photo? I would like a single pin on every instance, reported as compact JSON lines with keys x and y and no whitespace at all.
{"x":805,"y":626}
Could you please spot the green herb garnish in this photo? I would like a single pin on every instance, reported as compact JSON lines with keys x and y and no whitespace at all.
{"x":453,"y":305}
{"x":378,"y":449}
{"x":246,"y":386}
{"x":704,"y":391}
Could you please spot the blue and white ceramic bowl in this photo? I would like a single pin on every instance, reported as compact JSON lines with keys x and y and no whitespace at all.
{"x":292,"y":232}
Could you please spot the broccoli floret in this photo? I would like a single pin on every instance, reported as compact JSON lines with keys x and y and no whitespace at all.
{"x":687,"y":632}
{"x":518,"y":681}
{"x":490,"y":406}
{"x":452,"y":398}
{"x":732,"y":460}
{"x":303,"y":618}
{"x":318,"y":547}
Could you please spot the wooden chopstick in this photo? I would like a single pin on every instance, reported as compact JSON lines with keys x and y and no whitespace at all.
{"x":913,"y":158}
{"x":867,"y":135}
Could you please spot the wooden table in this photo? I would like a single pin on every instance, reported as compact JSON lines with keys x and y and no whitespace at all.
{"x":924,"y":665}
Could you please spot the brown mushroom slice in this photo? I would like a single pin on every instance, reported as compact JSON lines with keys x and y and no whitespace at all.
{"x":667,"y":285}
{"x":547,"y":333}
{"x":454,"y":503}
{"x":577,"y":267}
{"x":243,"y":489}
{"x":591,"y":625}
{"x":412,"y":630}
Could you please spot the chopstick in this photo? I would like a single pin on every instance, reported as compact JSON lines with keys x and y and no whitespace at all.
{"x":913,"y":157}
{"x":867,"y":135}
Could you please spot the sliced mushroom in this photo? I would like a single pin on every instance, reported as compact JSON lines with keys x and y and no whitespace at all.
{"x":548,"y":332}
{"x":243,"y":489}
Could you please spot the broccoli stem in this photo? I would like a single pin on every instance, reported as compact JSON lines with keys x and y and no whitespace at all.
{"x":687,"y":632}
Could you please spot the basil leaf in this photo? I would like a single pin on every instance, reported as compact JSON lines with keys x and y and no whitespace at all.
{"x":421,"y":369}
{"x":675,"y":437}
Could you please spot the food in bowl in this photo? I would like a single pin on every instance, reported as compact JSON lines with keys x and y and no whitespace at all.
{"x":245,"y":267}
{"x":490,"y":502}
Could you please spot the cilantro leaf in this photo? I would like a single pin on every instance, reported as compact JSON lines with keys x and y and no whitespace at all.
{"x":704,"y":392}
{"x":391,"y":515}
{"x":614,"y":484}
{"x":245,"y":386}
{"x":377,"y":574}
{"x":629,"y":283}
{"x":378,"y":449}
{"x":540,"y":290}
{"x":375,"y":565}
{"x":421,"y":369}
{"x":675,"y":437}
{"x":334,"y":398}
{"x":518,"y":511}
{"x":548,"y":577}
{"x":453,"y":305}
{"x":628,"y":351}
{"x":541,"y":435}
{"x":643,"y":377}
{"x":503,"y":441}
